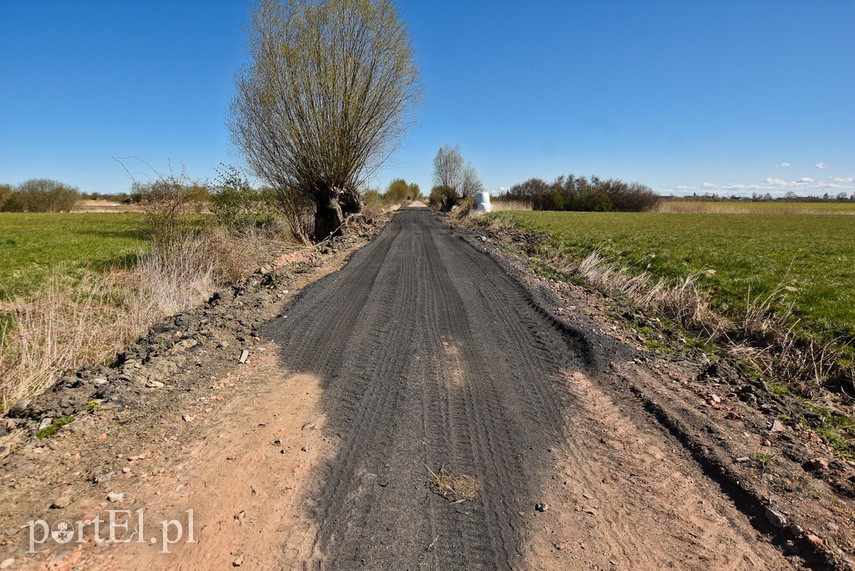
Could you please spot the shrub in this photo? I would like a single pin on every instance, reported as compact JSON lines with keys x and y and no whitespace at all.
{"x":199,"y":197}
{"x":415,"y":191}
{"x":400,"y":191}
{"x":372,"y":198}
{"x":5,"y":193}
{"x":372,"y":205}
{"x":554,"y":199}
{"x":532,"y":191}
{"x":634,"y":198}
{"x":236,"y":204}
{"x":40,"y":195}
{"x":167,"y":202}
{"x":443,"y":198}
{"x":465,"y":206}
{"x":587,"y":199}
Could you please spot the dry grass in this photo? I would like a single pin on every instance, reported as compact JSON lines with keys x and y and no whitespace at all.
{"x":455,"y":488}
{"x":762,"y":337}
{"x":171,"y":281}
{"x":58,"y":329}
{"x":765,"y":335}
{"x":504,"y":205}
{"x":64,"y":327}
{"x":90,"y":205}
{"x":704,"y":207}
{"x":682,"y":301}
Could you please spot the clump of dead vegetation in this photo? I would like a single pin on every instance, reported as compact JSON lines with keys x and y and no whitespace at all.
{"x":456,"y":488}
{"x":761,"y":336}
{"x":65,"y":326}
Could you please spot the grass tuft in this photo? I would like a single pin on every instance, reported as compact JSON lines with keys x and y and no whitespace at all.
{"x":455,"y":488}
{"x":54,"y":427}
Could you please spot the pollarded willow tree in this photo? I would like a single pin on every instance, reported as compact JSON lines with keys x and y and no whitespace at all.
{"x":328,"y":92}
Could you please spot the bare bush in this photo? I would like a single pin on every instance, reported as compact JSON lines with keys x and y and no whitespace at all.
{"x":580,"y":194}
{"x":168,"y":201}
{"x":39,"y":195}
{"x":450,"y":171}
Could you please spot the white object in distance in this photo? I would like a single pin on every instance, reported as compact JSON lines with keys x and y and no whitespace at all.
{"x":482,"y":201}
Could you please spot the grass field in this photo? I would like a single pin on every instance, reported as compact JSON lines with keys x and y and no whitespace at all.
{"x":33,"y":247}
{"x":811,"y":255}
{"x":844,"y":208}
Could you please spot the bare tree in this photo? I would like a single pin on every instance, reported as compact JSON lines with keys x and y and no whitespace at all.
{"x":448,"y":167}
{"x":450,"y":171}
{"x":325,"y":98}
{"x":472,"y":185}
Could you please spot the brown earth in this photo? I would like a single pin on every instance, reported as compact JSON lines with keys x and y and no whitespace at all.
{"x":90,"y":205}
{"x":430,"y":352}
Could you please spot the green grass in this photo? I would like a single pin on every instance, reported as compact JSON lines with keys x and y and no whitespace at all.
{"x":774,"y":207}
{"x":54,"y":427}
{"x":33,"y":247}
{"x":751,"y":254}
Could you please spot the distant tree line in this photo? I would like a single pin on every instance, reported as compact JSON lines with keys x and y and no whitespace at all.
{"x":38,"y":195}
{"x":122,"y":197}
{"x":582,"y":194}
{"x":401,"y":191}
{"x":767,"y":197}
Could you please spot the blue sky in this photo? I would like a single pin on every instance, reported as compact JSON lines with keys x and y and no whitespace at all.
{"x":706,"y":96}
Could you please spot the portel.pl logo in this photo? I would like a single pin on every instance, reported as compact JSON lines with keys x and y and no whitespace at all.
{"x":120,"y":526}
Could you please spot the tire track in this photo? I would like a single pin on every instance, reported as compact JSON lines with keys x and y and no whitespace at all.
{"x":480,"y":412}
{"x":430,"y":355}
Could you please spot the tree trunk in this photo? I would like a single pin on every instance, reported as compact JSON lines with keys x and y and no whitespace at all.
{"x":350,"y":202}
{"x":328,"y":218}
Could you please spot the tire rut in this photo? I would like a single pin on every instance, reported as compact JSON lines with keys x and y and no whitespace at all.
{"x":431,"y":355}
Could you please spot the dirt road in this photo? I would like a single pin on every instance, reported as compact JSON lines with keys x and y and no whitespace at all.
{"x":429,"y":355}
{"x":421,"y":408}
